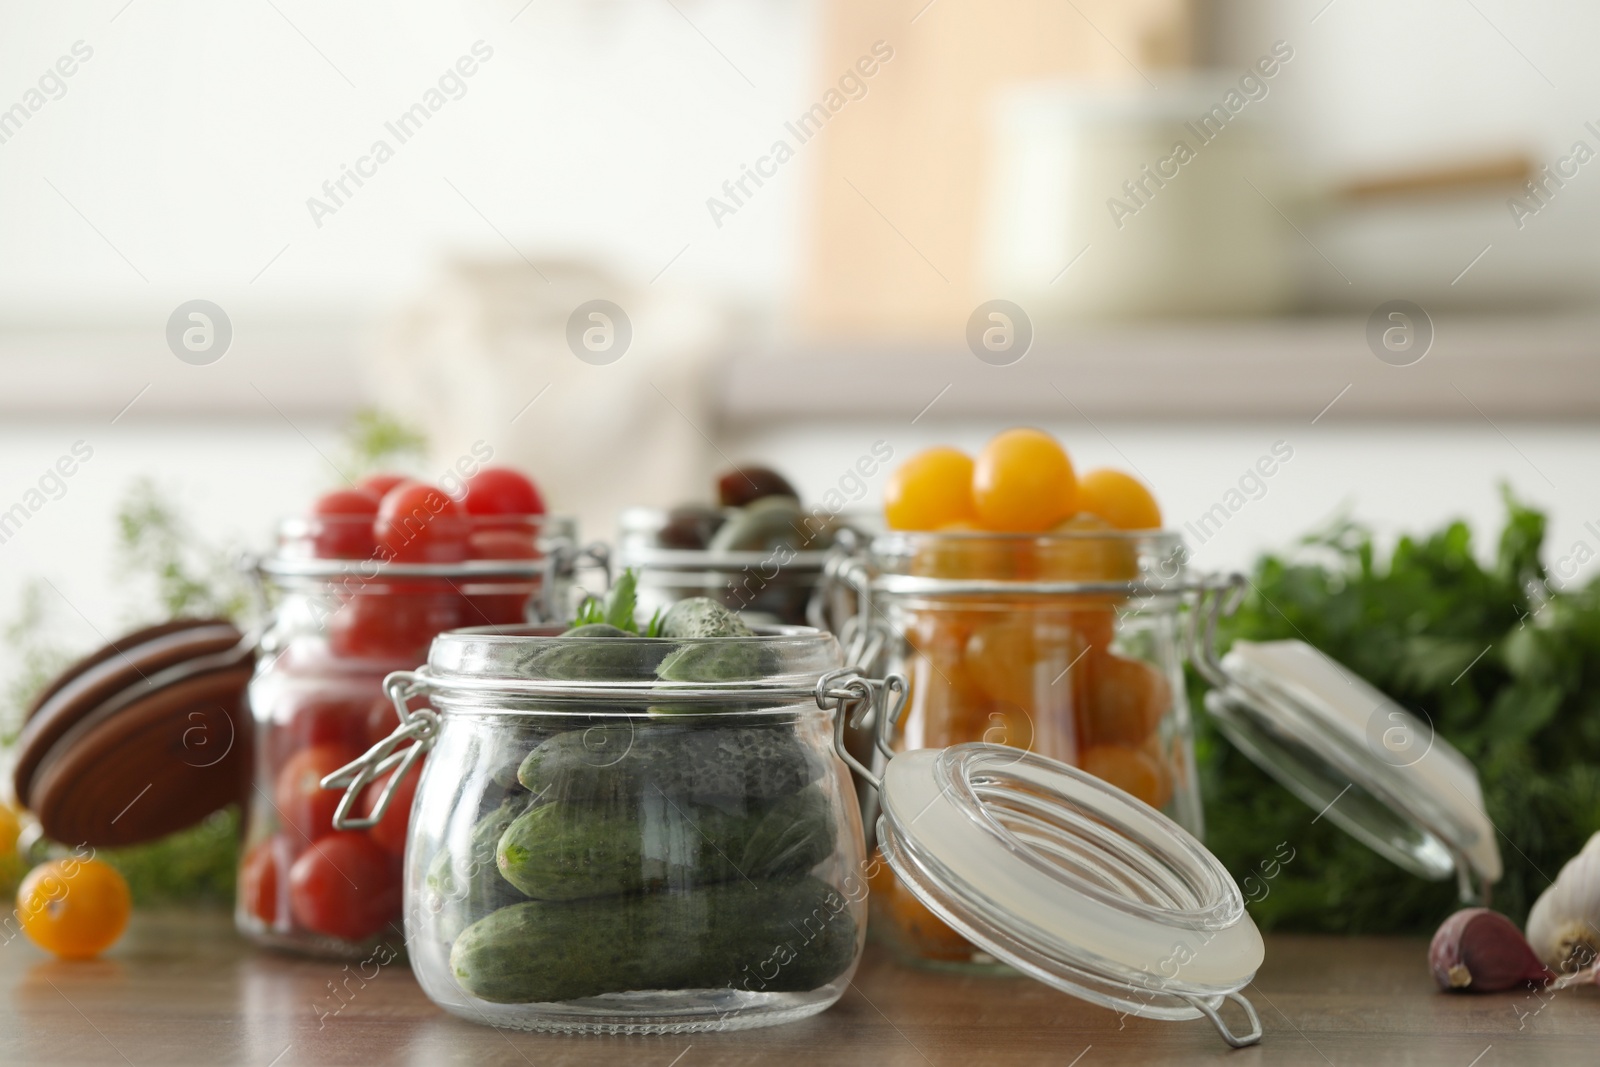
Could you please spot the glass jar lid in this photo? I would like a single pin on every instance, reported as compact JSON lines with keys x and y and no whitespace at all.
{"x":1070,"y":880}
{"x":143,"y":737}
{"x":1349,"y":751}
{"x":1065,"y":877}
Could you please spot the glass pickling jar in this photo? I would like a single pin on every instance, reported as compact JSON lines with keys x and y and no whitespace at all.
{"x":1065,"y":644}
{"x":626,"y":834}
{"x":336,"y":628}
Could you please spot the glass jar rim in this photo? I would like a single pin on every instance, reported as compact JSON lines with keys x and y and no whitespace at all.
{"x":727,"y":560}
{"x":535,"y":661}
{"x":1157,"y":564}
{"x":1173,"y":538}
{"x":286,"y":564}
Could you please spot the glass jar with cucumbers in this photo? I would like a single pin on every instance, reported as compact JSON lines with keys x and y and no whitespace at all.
{"x":629,"y":826}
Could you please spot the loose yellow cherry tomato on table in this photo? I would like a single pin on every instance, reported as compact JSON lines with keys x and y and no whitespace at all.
{"x":10,"y":828}
{"x":1023,"y":482}
{"x":11,"y":863}
{"x":74,"y":908}
{"x":930,"y":490}
{"x":1120,"y":499}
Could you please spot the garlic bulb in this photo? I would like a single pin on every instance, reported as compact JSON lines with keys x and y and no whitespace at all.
{"x":1564,"y":925}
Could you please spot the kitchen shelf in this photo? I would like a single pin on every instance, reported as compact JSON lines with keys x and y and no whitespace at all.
{"x":1515,"y":368}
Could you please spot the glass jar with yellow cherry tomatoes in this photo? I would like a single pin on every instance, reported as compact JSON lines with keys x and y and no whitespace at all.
{"x":1063,"y":643}
{"x":1032,"y":607}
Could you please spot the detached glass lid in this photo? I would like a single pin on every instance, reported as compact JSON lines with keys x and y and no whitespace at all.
{"x":1065,"y":877}
{"x":1347,"y":750}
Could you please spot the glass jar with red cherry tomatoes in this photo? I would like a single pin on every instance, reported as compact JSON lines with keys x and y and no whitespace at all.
{"x":356,"y":589}
{"x":1064,"y":643}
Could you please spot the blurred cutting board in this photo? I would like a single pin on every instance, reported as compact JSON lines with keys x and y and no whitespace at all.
{"x":898,"y":179}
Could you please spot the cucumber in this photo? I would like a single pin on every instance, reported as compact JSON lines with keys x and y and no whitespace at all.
{"x":613,"y":763}
{"x":764,"y":938}
{"x":699,"y":616}
{"x":693,"y":620}
{"x":464,"y":887}
{"x":572,"y":851}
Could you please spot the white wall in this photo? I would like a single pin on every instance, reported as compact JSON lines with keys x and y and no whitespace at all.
{"x":194,"y":136}
{"x":196,"y":132}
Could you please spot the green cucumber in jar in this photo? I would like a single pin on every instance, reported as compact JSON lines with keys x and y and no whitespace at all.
{"x":771,"y":937}
{"x":572,"y":851}
{"x":614,"y":762}
{"x":697,"y":620}
{"x":464,"y":886}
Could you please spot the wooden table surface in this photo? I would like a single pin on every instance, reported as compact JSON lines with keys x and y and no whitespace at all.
{"x":182,"y":989}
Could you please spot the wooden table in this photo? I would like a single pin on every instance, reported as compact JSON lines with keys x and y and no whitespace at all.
{"x":182,"y":989}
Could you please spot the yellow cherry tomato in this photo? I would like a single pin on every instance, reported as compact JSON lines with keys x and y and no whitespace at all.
{"x":1133,"y":770}
{"x":931,"y":489}
{"x":1023,"y":482}
{"x":1126,"y":700}
{"x":74,"y":908}
{"x":1120,"y":499}
{"x":10,"y":828}
{"x":1081,"y":556}
{"x":977,"y":555}
{"x":11,"y":866}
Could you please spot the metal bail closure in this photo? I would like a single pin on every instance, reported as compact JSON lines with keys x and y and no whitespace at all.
{"x":856,"y":698}
{"x":1065,"y":877}
{"x":417,"y":730}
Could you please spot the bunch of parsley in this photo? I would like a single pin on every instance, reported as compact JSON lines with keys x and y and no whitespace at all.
{"x":1506,"y":669}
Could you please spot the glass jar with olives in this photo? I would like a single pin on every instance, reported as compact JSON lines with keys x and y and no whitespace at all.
{"x":757,"y":550}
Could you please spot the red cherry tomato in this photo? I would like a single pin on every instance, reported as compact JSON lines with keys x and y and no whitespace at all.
{"x":515,"y":541}
{"x":390,"y":832}
{"x":418,"y":523}
{"x":341,"y":522}
{"x":393,"y":626}
{"x":495,"y":609}
{"x":303,"y":804}
{"x":345,"y":886}
{"x":261,"y":876}
{"x":322,"y":719}
{"x":381,"y":720}
{"x":380,"y":483}
{"x":502,"y":491}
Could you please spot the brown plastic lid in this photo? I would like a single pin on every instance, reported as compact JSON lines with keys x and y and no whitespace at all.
{"x":145,"y":736}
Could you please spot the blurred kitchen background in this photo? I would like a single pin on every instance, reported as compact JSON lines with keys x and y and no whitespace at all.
{"x":799,"y":205}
